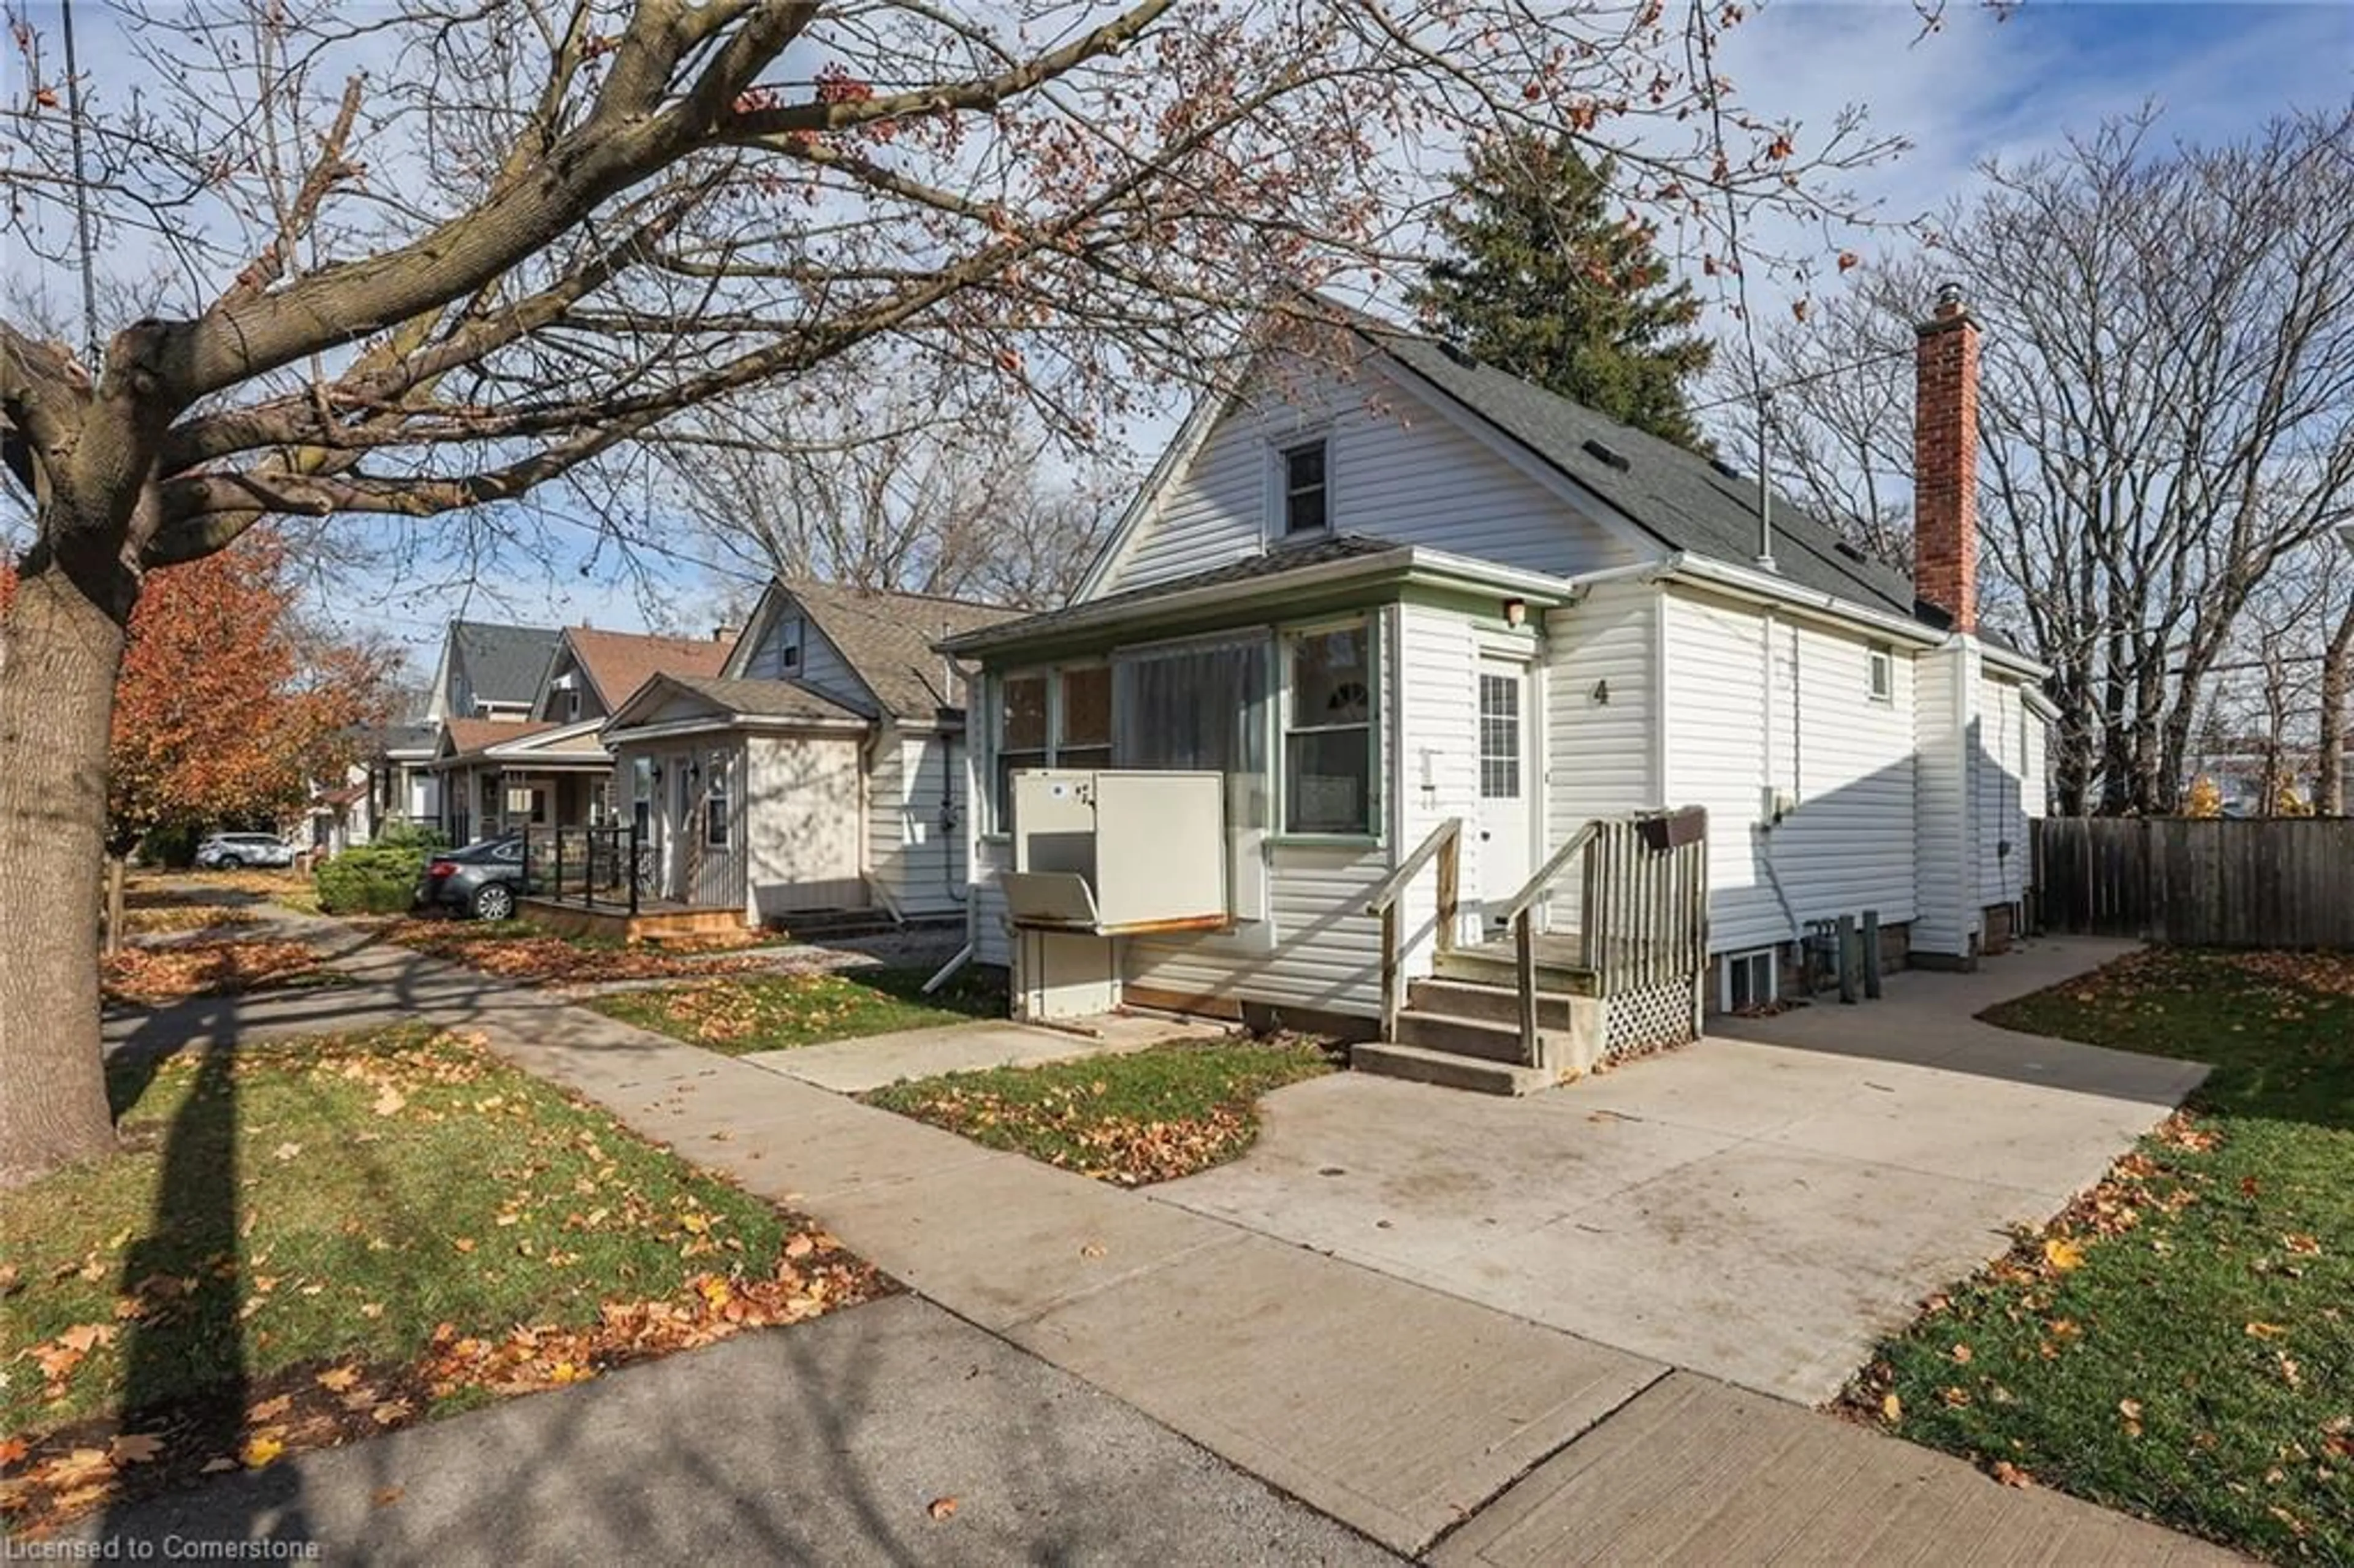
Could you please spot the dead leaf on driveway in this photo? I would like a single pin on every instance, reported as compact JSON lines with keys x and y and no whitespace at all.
{"x":942,"y":1508}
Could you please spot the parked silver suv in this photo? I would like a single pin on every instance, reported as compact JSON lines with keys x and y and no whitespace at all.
{"x":228,"y":852}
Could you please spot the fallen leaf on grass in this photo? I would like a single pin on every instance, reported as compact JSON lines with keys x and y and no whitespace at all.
{"x":2130,"y":1409}
{"x":2064,"y":1255}
{"x":2261,"y":1330}
{"x":260,"y":1450}
{"x":1891,"y":1407}
{"x":2011,"y":1475}
{"x":335,"y":1380}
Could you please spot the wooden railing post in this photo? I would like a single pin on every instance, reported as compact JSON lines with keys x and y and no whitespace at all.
{"x":1450,"y":860}
{"x":1524,"y":963}
{"x":1389,"y":972}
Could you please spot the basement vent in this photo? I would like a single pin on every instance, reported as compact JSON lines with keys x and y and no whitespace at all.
{"x":1610,"y":455}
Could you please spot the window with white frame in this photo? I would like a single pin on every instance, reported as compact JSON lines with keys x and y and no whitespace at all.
{"x":714,"y":801}
{"x":1500,"y":737}
{"x":1021,"y":736}
{"x":1882,"y":659}
{"x":1750,"y":980}
{"x":1328,"y":730}
{"x":1306,"y":476}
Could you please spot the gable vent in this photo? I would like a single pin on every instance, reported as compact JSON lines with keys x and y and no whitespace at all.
{"x":1610,"y":455}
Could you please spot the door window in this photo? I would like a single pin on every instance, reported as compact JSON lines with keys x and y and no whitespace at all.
{"x":1500,"y":737}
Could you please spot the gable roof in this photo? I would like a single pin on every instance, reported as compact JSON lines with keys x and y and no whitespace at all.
{"x":1682,"y":499}
{"x":462,"y":737}
{"x":503,"y":663}
{"x":619,"y":663}
{"x":888,"y":640}
{"x":728,"y":700}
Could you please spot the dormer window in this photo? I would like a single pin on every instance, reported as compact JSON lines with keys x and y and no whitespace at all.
{"x":1306,"y":488}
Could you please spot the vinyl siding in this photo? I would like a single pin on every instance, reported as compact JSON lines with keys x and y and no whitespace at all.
{"x":2001,"y":772}
{"x":991,"y":944}
{"x":801,"y":811}
{"x":1847,"y":847}
{"x":821,"y":666}
{"x":1944,"y":832}
{"x":919,"y":862}
{"x":1320,"y":949}
{"x":1435,"y":677}
{"x":1602,"y":756}
{"x":1717,"y":727}
{"x":1399,"y":469}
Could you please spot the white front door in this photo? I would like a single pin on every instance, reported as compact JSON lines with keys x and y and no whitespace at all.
{"x":1507,"y":820}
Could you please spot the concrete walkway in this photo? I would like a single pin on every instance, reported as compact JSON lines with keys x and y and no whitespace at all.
{"x":829,"y":1443}
{"x":1397,"y":1409}
{"x":1762,"y":1213}
{"x":871,"y":1061}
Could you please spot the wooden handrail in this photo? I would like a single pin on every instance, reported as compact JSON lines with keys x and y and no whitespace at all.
{"x":1445,"y":843}
{"x":1537,"y":887}
{"x":1386,"y":892}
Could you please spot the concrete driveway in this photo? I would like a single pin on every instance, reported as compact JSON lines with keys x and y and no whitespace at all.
{"x":1762,"y":1208}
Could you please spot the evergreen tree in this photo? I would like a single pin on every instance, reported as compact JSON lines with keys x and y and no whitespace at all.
{"x":1545,"y":282}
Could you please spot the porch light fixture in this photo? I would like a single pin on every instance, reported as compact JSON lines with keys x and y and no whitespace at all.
{"x":1516,"y":612}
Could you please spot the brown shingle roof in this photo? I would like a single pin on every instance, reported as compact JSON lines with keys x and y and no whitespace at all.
{"x":619,"y":663}
{"x":767,"y":699}
{"x":888,"y":637}
{"x":473,"y":734}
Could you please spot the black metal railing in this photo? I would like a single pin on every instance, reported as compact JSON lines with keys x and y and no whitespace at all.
{"x":605,"y":867}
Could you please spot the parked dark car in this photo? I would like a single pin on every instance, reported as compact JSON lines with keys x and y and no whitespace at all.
{"x":482,"y":880}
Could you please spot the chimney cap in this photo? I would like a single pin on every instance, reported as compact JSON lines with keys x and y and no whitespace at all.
{"x":1949,"y":299}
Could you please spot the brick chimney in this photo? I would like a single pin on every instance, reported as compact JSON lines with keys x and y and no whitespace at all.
{"x":1946,"y":461}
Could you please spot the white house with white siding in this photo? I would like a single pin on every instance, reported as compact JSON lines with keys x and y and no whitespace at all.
{"x":821,"y":773}
{"x":1384,"y":586}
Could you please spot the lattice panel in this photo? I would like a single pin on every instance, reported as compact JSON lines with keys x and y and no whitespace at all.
{"x":1649,"y":1019}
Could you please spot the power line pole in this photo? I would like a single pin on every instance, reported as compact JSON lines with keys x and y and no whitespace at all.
{"x":81,"y":195}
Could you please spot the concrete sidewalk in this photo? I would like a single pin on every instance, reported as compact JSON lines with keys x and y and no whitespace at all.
{"x":828,"y":1443}
{"x":1397,"y":1409}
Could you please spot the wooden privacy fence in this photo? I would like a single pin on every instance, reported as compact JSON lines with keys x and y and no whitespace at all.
{"x":2271,"y":882}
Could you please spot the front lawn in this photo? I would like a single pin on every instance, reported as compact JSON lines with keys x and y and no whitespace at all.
{"x":1140,"y":1116}
{"x":2181,"y":1343}
{"x":307,"y":1242}
{"x":777,"y":1012}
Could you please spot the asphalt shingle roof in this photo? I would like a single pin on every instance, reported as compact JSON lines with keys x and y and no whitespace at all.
{"x":1244,"y":569}
{"x":619,"y":663}
{"x":503,"y":663}
{"x":1681,"y":498}
{"x":888,"y":637}
{"x":764,"y":699}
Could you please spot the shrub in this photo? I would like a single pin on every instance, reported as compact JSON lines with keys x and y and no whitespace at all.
{"x":371,"y":879}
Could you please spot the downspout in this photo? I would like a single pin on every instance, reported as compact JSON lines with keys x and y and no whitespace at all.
{"x":868,"y":749}
{"x":1767,"y":819}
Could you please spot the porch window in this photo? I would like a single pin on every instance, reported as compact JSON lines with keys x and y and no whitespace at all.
{"x":714,"y":801}
{"x":1083,"y":717}
{"x":1021,"y":736}
{"x":1328,"y":733}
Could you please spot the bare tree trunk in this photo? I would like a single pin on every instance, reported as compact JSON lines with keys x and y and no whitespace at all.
{"x":2337,"y":684}
{"x":59,"y":652}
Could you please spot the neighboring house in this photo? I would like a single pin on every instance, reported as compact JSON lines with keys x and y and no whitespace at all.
{"x":535,"y":761}
{"x":591,"y":672}
{"x":821,"y":768}
{"x":491,"y":672}
{"x":391,"y":781}
{"x":501,"y":775}
{"x":1386,"y":586}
